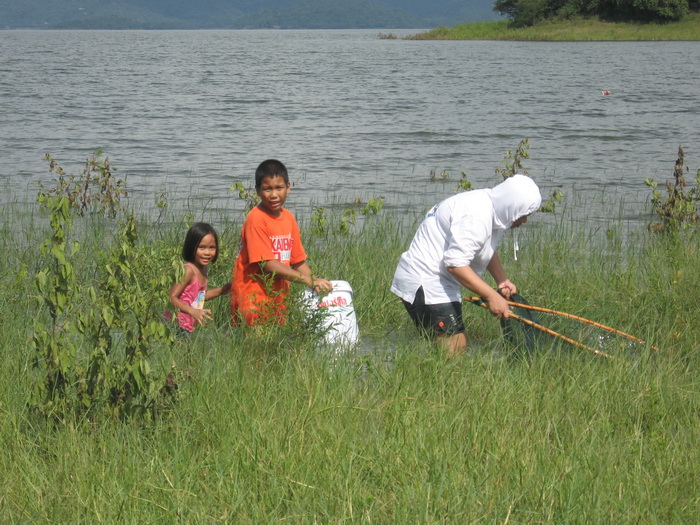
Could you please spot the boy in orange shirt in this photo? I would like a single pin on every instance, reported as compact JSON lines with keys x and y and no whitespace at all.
{"x":271,"y":254}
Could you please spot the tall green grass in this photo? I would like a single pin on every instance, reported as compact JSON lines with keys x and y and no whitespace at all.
{"x":270,"y":428}
{"x":569,"y":30}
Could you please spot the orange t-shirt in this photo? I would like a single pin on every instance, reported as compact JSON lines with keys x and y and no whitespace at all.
{"x":257,"y":297}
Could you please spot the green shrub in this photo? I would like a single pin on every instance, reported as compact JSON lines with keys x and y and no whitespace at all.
{"x":95,"y":190}
{"x":678,"y":210}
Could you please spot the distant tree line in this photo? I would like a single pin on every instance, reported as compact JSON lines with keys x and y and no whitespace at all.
{"x":528,"y":12}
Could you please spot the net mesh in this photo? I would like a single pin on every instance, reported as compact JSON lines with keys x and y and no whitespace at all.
{"x":574,"y":333}
{"x":520,"y":335}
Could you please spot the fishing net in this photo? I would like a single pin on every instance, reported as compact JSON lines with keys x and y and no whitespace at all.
{"x":522,"y":336}
{"x":534,"y":327}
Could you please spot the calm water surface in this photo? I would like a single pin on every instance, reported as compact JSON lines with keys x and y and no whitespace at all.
{"x":353,"y":116}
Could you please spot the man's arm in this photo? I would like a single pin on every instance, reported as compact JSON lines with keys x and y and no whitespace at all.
{"x":470,"y":280}
{"x":495,"y":268}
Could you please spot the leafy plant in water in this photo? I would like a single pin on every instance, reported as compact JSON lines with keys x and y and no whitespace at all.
{"x":54,"y":342}
{"x":343,"y":226}
{"x":443,"y":176}
{"x":373,"y":206}
{"x":319,"y":223}
{"x":677,"y":211}
{"x":463,"y":184}
{"x":95,"y":190}
{"x":348,"y":219}
{"x":512,"y":163}
{"x":250,"y":197}
{"x":549,"y":206}
{"x":116,"y":322}
{"x":162,"y":202}
{"x":131,"y":306}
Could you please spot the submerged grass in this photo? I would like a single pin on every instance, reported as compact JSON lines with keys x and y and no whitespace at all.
{"x":268,"y":428}
{"x":569,"y":30}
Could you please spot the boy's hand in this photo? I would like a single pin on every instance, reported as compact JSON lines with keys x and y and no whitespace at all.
{"x":321,"y":286}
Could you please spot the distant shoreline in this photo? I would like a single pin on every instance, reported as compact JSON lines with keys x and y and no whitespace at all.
{"x":581,"y":30}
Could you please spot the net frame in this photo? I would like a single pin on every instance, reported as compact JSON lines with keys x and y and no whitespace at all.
{"x":529,"y":330}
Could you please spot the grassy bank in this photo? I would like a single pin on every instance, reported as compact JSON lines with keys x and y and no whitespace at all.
{"x":268,"y":428}
{"x":569,"y":30}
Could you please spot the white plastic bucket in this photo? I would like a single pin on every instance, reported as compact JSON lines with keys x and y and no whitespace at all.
{"x":339,"y":318}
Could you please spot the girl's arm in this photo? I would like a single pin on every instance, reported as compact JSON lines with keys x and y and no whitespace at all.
{"x":176,"y":291}
{"x":298,"y":273}
{"x":216,"y":292}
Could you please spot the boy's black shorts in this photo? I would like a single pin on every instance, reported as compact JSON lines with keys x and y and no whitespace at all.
{"x":435,"y":319}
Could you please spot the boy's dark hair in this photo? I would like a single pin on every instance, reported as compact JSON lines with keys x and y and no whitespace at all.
{"x":270,"y":168}
{"x":194,"y":236}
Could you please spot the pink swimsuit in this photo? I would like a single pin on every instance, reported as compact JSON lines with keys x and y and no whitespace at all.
{"x":193,"y":294}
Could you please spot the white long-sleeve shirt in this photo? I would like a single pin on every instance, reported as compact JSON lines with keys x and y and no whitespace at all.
{"x":462,"y":230}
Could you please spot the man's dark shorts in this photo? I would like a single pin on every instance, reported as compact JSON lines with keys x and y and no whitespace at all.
{"x":435,"y":319}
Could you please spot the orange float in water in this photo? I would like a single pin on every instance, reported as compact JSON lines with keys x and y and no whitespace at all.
{"x":606,"y":92}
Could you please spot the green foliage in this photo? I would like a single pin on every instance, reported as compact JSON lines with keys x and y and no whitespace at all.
{"x":250,"y":196}
{"x":567,"y":30}
{"x":96,"y":190}
{"x":443,"y":176}
{"x":550,"y":205}
{"x":130,"y":304}
{"x":464,"y":184}
{"x":529,"y":12}
{"x":678,"y":209}
{"x":347,"y":221}
{"x":319,"y":223}
{"x":93,"y":353}
{"x":162,"y":200}
{"x":512,"y":163}
{"x":53,"y":341}
{"x":343,"y":225}
{"x":523,"y":12}
{"x":373,"y":206}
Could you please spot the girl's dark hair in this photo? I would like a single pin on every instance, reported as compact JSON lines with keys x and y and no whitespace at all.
{"x":194,"y":236}
{"x":270,"y":168}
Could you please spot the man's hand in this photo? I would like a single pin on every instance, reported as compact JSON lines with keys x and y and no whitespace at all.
{"x":498,"y":306}
{"x":507,"y":289}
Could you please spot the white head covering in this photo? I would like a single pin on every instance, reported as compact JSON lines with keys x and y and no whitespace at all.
{"x":515,"y":197}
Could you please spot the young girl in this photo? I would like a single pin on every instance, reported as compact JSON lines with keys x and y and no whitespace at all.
{"x":201,"y":248}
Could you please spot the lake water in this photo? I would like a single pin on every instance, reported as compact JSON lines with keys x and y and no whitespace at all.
{"x":353,"y":116}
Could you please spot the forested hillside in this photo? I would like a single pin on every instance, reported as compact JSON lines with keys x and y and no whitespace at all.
{"x":529,"y":12}
{"x":209,"y":14}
